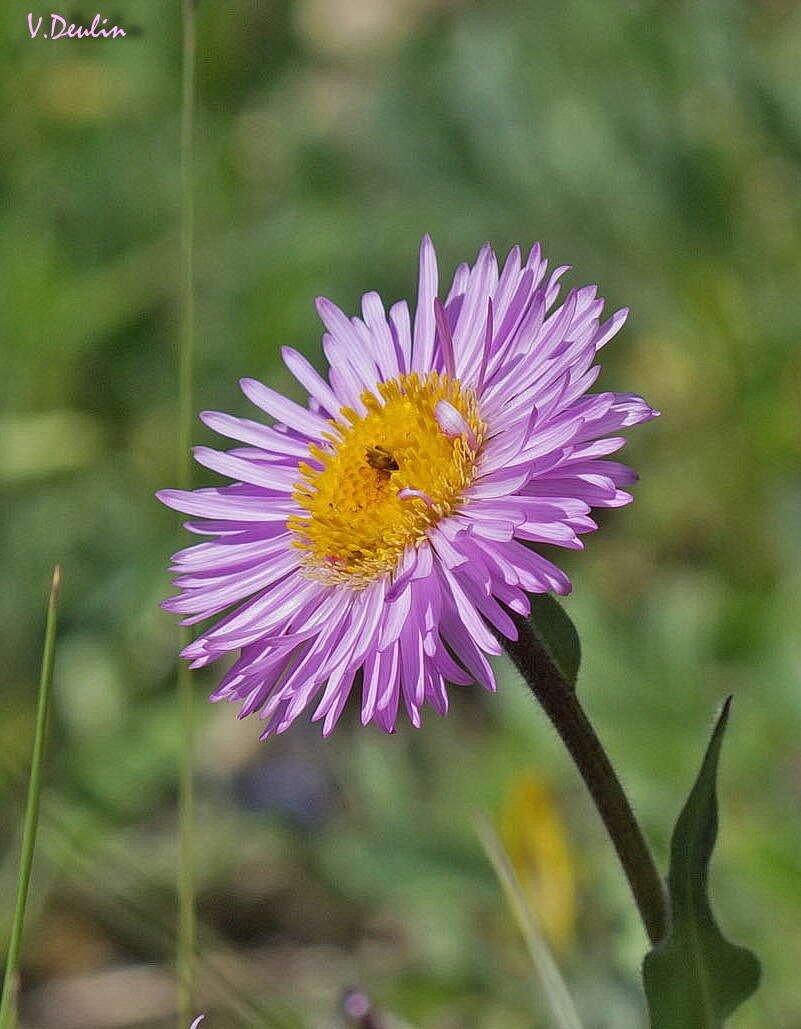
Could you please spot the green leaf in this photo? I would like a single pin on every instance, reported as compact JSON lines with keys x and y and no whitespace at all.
{"x":8,"y":1001}
{"x":695,"y":978}
{"x":558,"y":635}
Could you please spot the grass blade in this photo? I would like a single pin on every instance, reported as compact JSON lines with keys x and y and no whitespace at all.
{"x":560,"y":1003}
{"x":187,"y":930}
{"x":8,"y":1002}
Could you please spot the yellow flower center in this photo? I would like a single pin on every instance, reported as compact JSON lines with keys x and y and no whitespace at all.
{"x":387,"y":477}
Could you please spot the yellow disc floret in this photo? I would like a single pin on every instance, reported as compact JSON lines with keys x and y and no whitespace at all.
{"x":385,"y":478}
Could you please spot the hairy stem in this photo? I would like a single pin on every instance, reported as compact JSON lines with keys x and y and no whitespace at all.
{"x":562,"y":706}
{"x":8,"y":1002}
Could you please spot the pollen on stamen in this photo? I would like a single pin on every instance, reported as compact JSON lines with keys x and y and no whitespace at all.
{"x":388,"y":476}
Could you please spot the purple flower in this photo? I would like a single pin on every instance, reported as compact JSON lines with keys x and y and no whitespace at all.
{"x":373,"y":536}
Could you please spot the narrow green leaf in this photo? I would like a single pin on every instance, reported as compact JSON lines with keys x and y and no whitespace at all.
{"x":9,"y":999}
{"x":186,"y":951}
{"x":558,"y":634}
{"x":695,"y":978}
{"x":560,"y":1004}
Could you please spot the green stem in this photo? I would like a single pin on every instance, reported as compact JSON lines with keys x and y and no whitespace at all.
{"x":186,"y":351}
{"x":562,"y":706}
{"x":187,"y":929}
{"x":8,"y":1002}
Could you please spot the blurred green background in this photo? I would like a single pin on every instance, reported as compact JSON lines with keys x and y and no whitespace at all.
{"x":655,"y":147}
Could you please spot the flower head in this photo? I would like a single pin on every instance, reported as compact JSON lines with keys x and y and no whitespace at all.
{"x":378,"y":537}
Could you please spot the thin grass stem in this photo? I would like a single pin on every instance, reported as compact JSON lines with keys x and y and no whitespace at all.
{"x":560,"y":1004}
{"x":8,"y":1003}
{"x":187,"y":929}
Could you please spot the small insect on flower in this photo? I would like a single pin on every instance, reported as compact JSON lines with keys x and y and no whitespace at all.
{"x":379,"y":533}
{"x":381,"y":459}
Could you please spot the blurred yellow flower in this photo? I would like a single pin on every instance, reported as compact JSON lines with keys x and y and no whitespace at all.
{"x":534,"y":837}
